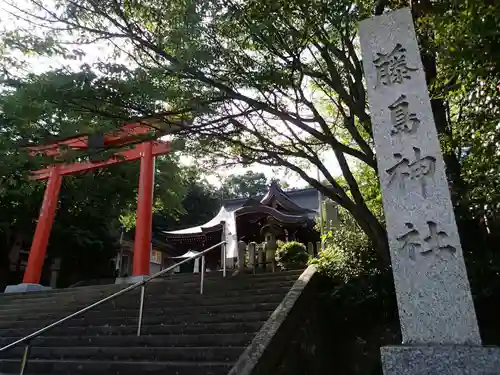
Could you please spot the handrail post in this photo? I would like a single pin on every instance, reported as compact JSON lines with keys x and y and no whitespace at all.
{"x":202,"y":273}
{"x":141,"y":309}
{"x":24,"y":362}
{"x":224,"y":251}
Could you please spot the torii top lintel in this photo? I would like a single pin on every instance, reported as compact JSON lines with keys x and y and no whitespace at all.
{"x":125,"y":136}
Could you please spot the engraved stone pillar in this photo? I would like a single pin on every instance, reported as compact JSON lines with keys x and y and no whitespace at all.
{"x":432,"y":288}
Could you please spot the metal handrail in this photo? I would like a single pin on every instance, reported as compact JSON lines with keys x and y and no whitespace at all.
{"x":141,"y":284}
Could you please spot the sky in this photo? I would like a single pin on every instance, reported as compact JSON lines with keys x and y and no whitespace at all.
{"x":294,"y":180}
{"x":94,"y":53}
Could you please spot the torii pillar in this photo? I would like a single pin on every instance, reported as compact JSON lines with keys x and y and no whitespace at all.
{"x":36,"y":258}
{"x":144,"y":215}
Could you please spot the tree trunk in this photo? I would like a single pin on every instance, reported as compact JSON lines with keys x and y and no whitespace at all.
{"x":375,"y":232}
{"x":372,"y":228}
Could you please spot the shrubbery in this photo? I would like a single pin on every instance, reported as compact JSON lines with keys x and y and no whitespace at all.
{"x":348,"y":252}
{"x":291,"y":255}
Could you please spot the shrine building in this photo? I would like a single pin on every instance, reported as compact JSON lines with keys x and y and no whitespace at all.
{"x":289,"y":215}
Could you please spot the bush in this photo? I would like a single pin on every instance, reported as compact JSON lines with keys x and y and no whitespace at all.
{"x":348,"y":251}
{"x":279,"y":244}
{"x":332,"y":263}
{"x":292,"y":255}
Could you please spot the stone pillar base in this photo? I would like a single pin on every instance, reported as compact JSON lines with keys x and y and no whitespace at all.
{"x":23,"y":288}
{"x":440,"y":360}
{"x":130,"y":279}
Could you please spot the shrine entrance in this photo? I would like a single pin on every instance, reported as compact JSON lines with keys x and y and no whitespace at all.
{"x":130,"y":142}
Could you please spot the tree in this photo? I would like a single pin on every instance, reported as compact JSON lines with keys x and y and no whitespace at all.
{"x":466,"y":33}
{"x":273,"y":82}
{"x":86,"y":227}
{"x":465,"y":42}
{"x":247,"y":185}
{"x":200,"y":203}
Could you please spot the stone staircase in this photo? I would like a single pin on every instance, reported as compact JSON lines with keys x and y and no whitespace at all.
{"x":183,"y":332}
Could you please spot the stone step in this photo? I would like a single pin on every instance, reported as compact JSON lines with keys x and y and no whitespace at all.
{"x":246,"y":274}
{"x":59,"y":292}
{"x":189,"y":300}
{"x":201,"y":354}
{"x":233,"y":327}
{"x":177,"y":340}
{"x":148,"y":311}
{"x":158,"y":288}
{"x":183,"y":332}
{"x":165,"y":283}
{"x":68,"y":367}
{"x":148,"y":319}
{"x":134,"y":296}
{"x":242,"y":276}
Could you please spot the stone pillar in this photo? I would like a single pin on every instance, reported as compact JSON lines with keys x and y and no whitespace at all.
{"x":270,"y":248}
{"x":262,"y":256}
{"x":251,"y":254}
{"x":331,"y":215}
{"x":436,"y":312}
{"x":54,"y":272}
{"x":242,"y":247}
{"x":310,"y":248}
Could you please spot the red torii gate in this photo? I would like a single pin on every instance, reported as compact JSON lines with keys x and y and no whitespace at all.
{"x":125,"y":136}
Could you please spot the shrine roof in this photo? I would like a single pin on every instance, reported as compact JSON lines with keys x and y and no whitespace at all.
{"x":295,"y":206}
{"x":295,"y":201}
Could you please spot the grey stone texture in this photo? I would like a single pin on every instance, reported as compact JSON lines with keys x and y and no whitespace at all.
{"x":440,"y":360}
{"x":130,"y":279}
{"x":23,"y":288}
{"x":255,"y":354}
{"x":252,"y":252}
{"x":432,"y":288}
{"x":310,"y":248}
{"x":242,"y":248}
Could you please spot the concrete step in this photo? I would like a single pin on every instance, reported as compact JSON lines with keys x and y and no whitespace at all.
{"x":177,"y":340}
{"x":148,"y":310}
{"x":183,"y":332}
{"x":211,"y":275}
{"x":61,"y":292}
{"x":233,"y":327}
{"x":159,"y":287}
{"x":247,"y":273}
{"x":133,"y":297}
{"x":162,"y":283}
{"x":148,"y":319}
{"x":89,"y":367}
{"x":218,"y":275}
{"x":168,"y":301}
{"x":198,"y":354}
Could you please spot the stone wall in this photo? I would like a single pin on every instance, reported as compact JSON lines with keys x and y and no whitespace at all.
{"x":340,"y":329}
{"x":309,"y":342}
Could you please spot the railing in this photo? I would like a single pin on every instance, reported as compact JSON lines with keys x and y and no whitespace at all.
{"x":142,"y":284}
